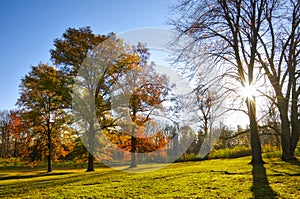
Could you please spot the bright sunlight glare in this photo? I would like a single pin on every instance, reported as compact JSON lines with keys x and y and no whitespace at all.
{"x":248,"y":91}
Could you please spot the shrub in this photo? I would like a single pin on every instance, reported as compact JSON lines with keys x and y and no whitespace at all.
{"x":237,"y":151}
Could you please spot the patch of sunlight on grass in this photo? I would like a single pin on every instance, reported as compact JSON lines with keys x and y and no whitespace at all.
{"x":226,"y":178}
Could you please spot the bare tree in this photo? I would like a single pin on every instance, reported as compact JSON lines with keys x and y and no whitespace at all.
{"x":227,"y":32}
{"x":278,"y":54}
{"x":208,"y":106}
{"x":5,"y":122}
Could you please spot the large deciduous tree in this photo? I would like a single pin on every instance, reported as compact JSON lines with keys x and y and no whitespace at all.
{"x":69,"y":54}
{"x":139,"y":92}
{"x":97,"y":75}
{"x":98,"y":61}
{"x":278,"y":54}
{"x":43,"y":93}
{"x":250,"y":34}
{"x":215,"y":27}
{"x":74,"y":46}
{"x":147,"y":90}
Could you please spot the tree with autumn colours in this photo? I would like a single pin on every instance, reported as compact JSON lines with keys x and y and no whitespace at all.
{"x":42,"y":101}
{"x":102,"y":68}
{"x":150,"y":141}
{"x":69,"y":54}
{"x":12,"y":137}
{"x":107,"y":60}
{"x":145,"y":90}
{"x":74,"y":46}
{"x":17,"y":134}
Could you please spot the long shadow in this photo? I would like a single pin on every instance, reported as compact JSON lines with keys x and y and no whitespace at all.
{"x":261,"y":187}
{"x":18,"y":188}
{"x":33,"y":175}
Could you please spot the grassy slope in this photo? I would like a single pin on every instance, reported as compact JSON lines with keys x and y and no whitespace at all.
{"x":230,"y":178}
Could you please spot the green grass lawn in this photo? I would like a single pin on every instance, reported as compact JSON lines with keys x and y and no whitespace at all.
{"x":223,"y":178}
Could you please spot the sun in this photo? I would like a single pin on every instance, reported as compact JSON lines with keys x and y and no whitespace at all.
{"x":248,"y":92}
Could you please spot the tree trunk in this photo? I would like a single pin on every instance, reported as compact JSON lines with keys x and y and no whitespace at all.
{"x":5,"y":142}
{"x":49,"y":152}
{"x":255,"y":141}
{"x":132,"y":152}
{"x":90,"y":163}
{"x":294,"y":140}
{"x":133,"y":143}
{"x":16,"y":150}
{"x":295,"y":122}
{"x":285,"y":130}
{"x":277,"y":135}
{"x":285,"y":141}
{"x":49,"y":164}
{"x":91,"y":147}
{"x":2,"y":151}
{"x":176,"y":145}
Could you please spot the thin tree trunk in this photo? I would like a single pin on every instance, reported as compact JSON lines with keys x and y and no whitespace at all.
{"x":133,"y":143}
{"x":16,"y":150}
{"x":49,"y":164}
{"x":49,"y":152}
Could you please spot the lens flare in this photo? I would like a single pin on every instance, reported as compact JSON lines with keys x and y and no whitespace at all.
{"x":248,"y":91}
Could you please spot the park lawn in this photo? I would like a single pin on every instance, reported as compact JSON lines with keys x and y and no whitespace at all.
{"x":223,"y":178}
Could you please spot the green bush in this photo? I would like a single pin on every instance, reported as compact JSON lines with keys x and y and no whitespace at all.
{"x":237,"y":151}
{"x":272,"y":154}
{"x":188,"y":157}
{"x":269,"y":148}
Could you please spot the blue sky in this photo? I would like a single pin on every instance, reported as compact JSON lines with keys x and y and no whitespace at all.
{"x":28,"y":29}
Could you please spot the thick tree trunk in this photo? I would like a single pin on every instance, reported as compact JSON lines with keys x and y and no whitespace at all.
{"x":91,"y":147}
{"x":293,"y":76}
{"x":90,"y":163}
{"x":295,"y":122}
{"x":255,"y":141}
{"x":294,"y":137}
{"x":175,"y":146}
{"x":285,"y":130}
{"x":132,"y":152}
{"x":294,"y":140}
{"x":285,"y":140}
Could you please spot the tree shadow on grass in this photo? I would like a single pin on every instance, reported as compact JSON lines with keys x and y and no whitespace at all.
{"x":261,"y":187}
{"x":44,"y":185}
{"x":13,"y":177}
